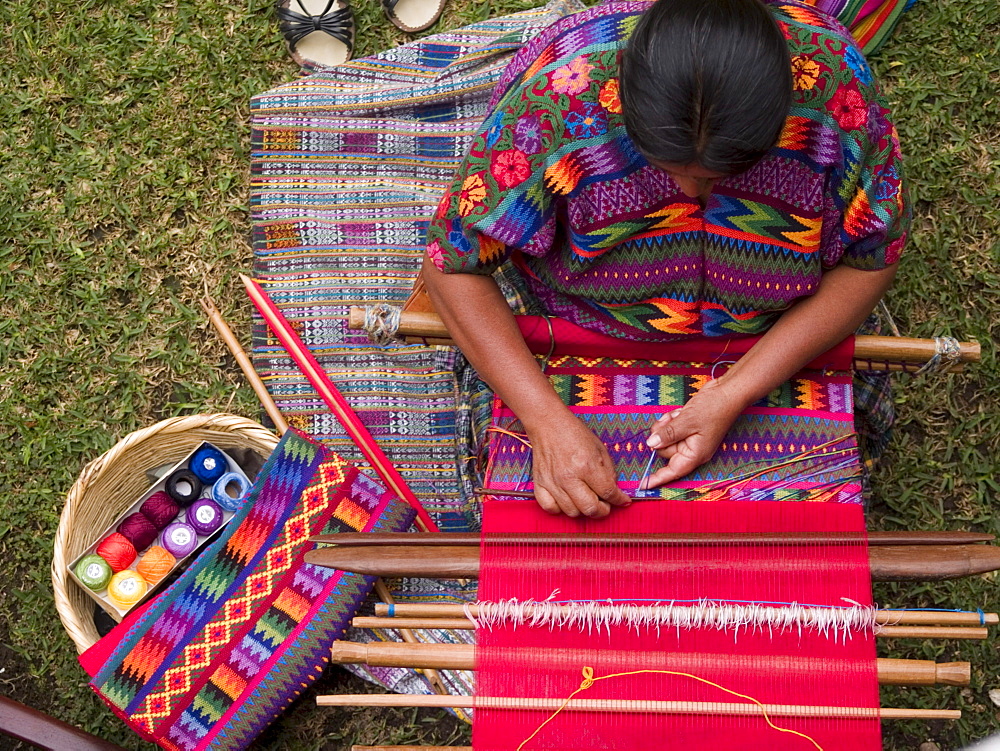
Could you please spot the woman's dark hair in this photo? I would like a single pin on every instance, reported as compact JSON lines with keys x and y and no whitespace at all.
{"x":706,"y":82}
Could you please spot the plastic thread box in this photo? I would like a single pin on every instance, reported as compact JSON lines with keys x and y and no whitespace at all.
{"x":168,"y":524}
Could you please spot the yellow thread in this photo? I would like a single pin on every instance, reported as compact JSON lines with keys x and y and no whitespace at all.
{"x":522,"y":439}
{"x":589,"y":680}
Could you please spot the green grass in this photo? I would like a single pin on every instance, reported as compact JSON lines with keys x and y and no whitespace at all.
{"x":125,"y":169}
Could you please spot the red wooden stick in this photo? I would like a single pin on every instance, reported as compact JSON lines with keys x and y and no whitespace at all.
{"x":336,"y":401}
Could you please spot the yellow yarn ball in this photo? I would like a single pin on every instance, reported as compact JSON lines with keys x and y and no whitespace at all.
{"x":126,"y":588}
{"x":155,"y":564}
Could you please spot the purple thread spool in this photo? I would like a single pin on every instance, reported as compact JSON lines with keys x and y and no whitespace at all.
{"x":179,"y":539}
{"x":138,"y":530}
{"x":205,"y":516}
{"x":160,"y":509}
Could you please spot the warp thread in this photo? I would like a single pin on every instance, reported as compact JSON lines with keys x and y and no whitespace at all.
{"x":589,"y":679}
{"x":836,"y":622}
{"x":947,"y":352}
{"x":382,"y":323}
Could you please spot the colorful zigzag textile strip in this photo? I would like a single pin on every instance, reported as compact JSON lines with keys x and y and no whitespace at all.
{"x":227,"y":647}
{"x":795,"y":445}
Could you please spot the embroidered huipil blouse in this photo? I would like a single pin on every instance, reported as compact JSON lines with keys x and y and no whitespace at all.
{"x":605,"y":239}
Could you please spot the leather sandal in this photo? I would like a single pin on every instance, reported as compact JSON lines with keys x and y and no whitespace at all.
{"x":320,"y":33}
{"x":413,"y":15}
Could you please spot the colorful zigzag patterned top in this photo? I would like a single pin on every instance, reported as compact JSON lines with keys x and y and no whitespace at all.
{"x":553,"y":183}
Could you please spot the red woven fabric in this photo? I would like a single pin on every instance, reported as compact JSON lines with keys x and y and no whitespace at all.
{"x":792,"y":668}
{"x":798,"y":667}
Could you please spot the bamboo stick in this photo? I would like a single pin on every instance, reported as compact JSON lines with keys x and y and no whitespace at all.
{"x":429,"y":327}
{"x":887,"y":632}
{"x":626,"y":706}
{"x":933,"y":632}
{"x":421,"y":539}
{"x":246,"y":366}
{"x":891,"y":672}
{"x":432,"y":610}
{"x":888,"y":563}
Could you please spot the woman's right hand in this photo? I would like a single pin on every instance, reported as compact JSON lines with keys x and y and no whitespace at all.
{"x":572,"y":471}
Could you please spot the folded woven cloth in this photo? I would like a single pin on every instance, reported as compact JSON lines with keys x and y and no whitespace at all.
{"x":225,"y":649}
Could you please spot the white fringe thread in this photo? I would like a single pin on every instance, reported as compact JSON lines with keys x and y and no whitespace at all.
{"x":838,"y":623}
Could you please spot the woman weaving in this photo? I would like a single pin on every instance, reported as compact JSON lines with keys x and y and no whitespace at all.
{"x":690,"y":167}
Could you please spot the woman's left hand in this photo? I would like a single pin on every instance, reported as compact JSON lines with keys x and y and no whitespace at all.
{"x":688,"y":437}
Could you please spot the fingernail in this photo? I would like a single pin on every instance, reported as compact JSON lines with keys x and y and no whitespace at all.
{"x":654,"y":442}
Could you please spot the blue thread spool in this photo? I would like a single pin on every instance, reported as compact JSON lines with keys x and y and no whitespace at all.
{"x":209,"y":464}
{"x":230,"y":490}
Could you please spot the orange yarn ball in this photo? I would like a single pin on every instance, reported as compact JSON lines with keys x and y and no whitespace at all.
{"x":156,"y":564}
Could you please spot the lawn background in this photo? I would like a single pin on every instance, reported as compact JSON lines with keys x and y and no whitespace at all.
{"x":124,"y":140}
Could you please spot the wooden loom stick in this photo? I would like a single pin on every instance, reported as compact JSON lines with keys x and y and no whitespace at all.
{"x":419,"y":539}
{"x":647,"y":706}
{"x":888,"y":562}
{"x":431,"y":610}
{"x":891,"y":672}
{"x":263,"y":395}
{"x":885,"y":632}
{"x":335,"y":401}
{"x":891,"y":348}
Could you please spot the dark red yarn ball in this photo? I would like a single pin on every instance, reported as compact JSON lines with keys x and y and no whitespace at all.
{"x":139,"y":530}
{"x":160,"y":509}
{"x":117,"y":551}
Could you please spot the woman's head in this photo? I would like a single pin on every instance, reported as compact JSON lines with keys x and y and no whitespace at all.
{"x":706,"y":82}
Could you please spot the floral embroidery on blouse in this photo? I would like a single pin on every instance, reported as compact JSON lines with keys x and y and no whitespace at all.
{"x":554,"y":184}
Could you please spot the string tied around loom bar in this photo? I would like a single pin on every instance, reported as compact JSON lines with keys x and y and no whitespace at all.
{"x":589,"y":679}
{"x":382,"y":323}
{"x":947,"y":352}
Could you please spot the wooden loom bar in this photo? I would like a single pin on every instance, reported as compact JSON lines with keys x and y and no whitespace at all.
{"x":473,"y":539}
{"x":888,"y":563}
{"x":891,"y":672}
{"x":885,"y":632}
{"x":429,"y":326}
{"x":625,"y":706}
{"x":431,"y":610}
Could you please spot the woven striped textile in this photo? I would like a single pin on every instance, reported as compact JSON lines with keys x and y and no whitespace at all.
{"x":348,"y":165}
{"x":227,"y":647}
{"x":811,"y":413}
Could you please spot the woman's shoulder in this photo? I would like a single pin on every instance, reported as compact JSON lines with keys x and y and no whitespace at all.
{"x":825,"y":57}
{"x":603,"y":27}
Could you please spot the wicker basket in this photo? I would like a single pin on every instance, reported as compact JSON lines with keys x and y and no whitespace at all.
{"x":112,"y":482}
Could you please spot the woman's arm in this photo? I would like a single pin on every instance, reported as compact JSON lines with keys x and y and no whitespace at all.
{"x":688,"y":437}
{"x":571,"y":469}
